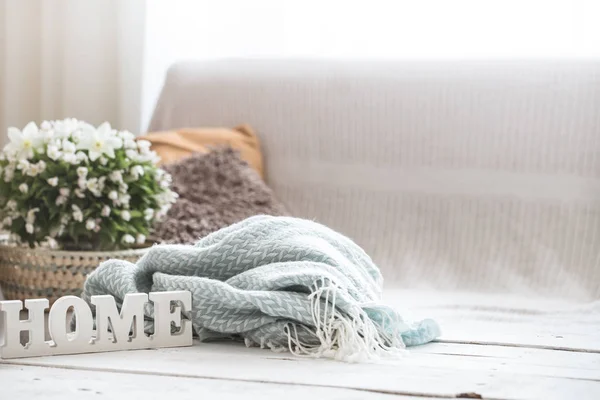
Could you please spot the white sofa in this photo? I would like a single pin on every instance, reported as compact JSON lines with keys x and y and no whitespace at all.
{"x":475,"y":186}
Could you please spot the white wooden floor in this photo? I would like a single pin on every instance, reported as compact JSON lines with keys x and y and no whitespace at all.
{"x":496,"y":347}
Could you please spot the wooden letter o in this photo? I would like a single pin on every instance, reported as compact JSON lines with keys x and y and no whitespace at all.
{"x":57,"y":323}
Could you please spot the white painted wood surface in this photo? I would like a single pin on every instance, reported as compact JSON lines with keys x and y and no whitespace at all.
{"x":525,"y":349}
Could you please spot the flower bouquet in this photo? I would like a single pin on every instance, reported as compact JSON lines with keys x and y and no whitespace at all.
{"x":70,"y":186}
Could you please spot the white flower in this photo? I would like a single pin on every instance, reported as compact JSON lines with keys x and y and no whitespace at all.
{"x":116,"y":176}
{"x":76,"y":136}
{"x":148,"y":214}
{"x":128,"y":239}
{"x":159,"y":174}
{"x":90,"y":224}
{"x":66,"y":127}
{"x":33,"y":170}
{"x":9,"y":173}
{"x":123,"y":187}
{"x":79,"y":193}
{"x":23,"y":187}
{"x":52,"y":243}
{"x":125,"y":215}
{"x":105,"y":211}
{"x":53,"y":152}
{"x":124,"y":200}
{"x":92,"y":186}
{"x":77,"y":214}
{"x":41,"y":166}
{"x":113,"y":195}
{"x":52,"y":181}
{"x":144,"y":146}
{"x":7,"y":221}
{"x":68,"y":146}
{"x":164,"y":184}
{"x":23,"y":143}
{"x":60,"y":200}
{"x":65,"y":219}
{"x":64,"y":191}
{"x":125,"y":135}
{"x":11,"y":205}
{"x":103,"y":160}
{"x":101,"y":183}
{"x":82,"y":183}
{"x":99,"y":141}
{"x":46,"y":125}
{"x":81,"y":156}
{"x":140,"y":239}
{"x":23,"y":165}
{"x":70,"y":158}
{"x":136,"y":171}
{"x":132,"y":155}
{"x":82,"y":172}
{"x":29,"y":228}
{"x":129,"y":143}
{"x":30,"y":219}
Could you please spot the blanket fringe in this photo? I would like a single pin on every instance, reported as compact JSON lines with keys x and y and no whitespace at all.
{"x":346,"y":336}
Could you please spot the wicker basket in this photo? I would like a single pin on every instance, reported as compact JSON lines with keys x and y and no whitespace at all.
{"x":36,"y":273}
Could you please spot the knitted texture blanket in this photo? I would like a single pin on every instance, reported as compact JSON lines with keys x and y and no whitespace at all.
{"x":277,"y":282}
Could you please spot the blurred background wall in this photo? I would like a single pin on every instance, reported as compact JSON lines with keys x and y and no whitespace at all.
{"x":105,"y":60}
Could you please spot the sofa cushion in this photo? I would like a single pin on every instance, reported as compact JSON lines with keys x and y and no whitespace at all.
{"x":215,"y":190}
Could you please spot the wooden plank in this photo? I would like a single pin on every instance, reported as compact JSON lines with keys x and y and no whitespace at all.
{"x":499,"y":319}
{"x":19,"y":382}
{"x":437,"y":372}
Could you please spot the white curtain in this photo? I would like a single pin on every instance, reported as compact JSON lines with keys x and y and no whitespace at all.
{"x":71,"y":58}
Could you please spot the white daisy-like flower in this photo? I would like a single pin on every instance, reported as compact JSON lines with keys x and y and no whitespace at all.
{"x":126,"y":215}
{"x":98,"y":142}
{"x":33,"y":170}
{"x":23,"y":187}
{"x":23,"y":143}
{"x":81,"y":156}
{"x":140,"y":239}
{"x":125,"y":135}
{"x":124,"y":200}
{"x":144,"y":146}
{"x":68,"y":146}
{"x":148,"y":214}
{"x":53,"y":152}
{"x":64,"y":191}
{"x":123,"y":187}
{"x":136,"y":171}
{"x":82,"y":172}
{"x":9,"y":173}
{"x":60,"y":200}
{"x":70,"y":158}
{"x":66,"y":127}
{"x":51,"y":242}
{"x":116,"y":176}
{"x":79,"y":193}
{"x":76,"y":136}
{"x":82,"y":183}
{"x":103,"y":160}
{"x":29,"y":228}
{"x":129,"y":143}
{"x":23,"y":165}
{"x":41,"y":166}
{"x":11,"y":205}
{"x":77,"y":214}
{"x":113,"y":195}
{"x":132,"y":155}
{"x":92,"y":186}
{"x":52,"y":181}
{"x":30,"y":219}
{"x":128,"y":239}
{"x":90,"y":224}
{"x":105,"y":211}
{"x":46,"y":125}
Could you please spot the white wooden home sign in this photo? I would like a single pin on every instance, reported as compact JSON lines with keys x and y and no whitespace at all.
{"x":114,"y":330}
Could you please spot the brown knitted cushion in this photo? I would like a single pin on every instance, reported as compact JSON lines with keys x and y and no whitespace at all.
{"x":216,"y":189}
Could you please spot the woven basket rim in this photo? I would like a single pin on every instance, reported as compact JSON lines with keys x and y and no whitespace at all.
{"x":67,"y":253}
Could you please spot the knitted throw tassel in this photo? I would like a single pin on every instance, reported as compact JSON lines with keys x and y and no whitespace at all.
{"x":277,"y":282}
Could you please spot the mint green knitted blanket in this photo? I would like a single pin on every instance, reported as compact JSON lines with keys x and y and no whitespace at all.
{"x":277,"y":282}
